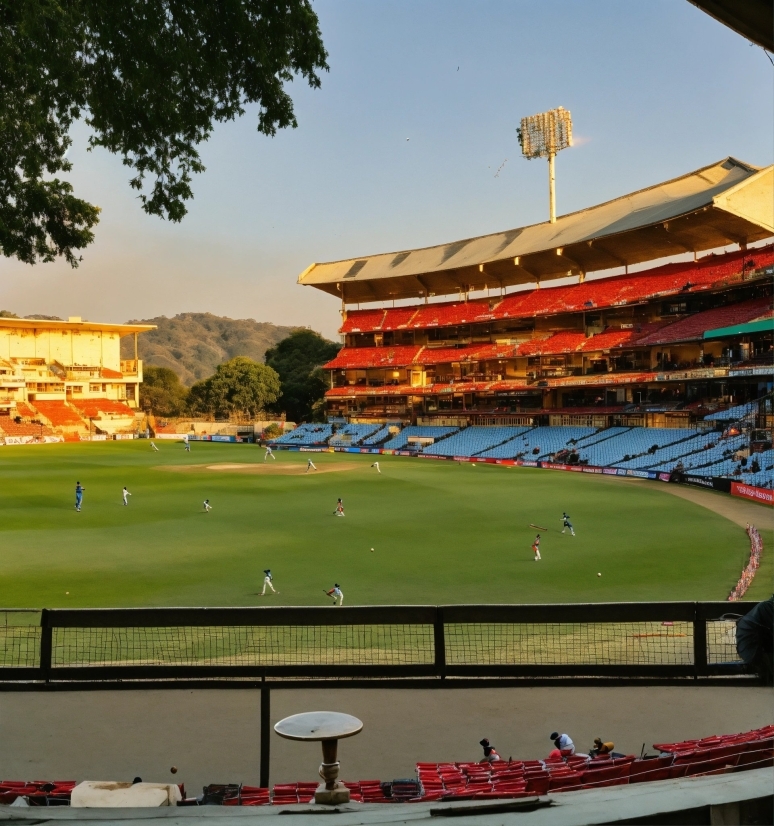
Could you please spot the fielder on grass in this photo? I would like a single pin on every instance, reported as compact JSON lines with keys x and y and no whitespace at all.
{"x":567,"y":524}
{"x":536,"y":547}
{"x":268,"y":453}
{"x":125,"y":493}
{"x":310,"y":465}
{"x":337,"y":594}
{"x":267,"y":582}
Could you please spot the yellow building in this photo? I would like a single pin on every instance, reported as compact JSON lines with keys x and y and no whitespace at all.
{"x":67,"y":375}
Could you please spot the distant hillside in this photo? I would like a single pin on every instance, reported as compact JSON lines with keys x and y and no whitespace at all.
{"x":194,"y":344}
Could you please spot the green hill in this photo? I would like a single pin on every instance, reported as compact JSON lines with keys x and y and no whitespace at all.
{"x":194,"y":344}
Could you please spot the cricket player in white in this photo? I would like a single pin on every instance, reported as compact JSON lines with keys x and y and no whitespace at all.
{"x":153,"y":447}
{"x":267,"y":583}
{"x":376,"y":465}
{"x":337,"y":594}
{"x":268,"y":453}
{"x":310,"y":466}
{"x":187,"y":443}
{"x":207,"y":506}
{"x":125,"y":493}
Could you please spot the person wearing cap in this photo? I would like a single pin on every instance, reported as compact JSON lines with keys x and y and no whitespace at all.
{"x":601,"y":748}
{"x":563,"y":746}
{"x":490,"y":755}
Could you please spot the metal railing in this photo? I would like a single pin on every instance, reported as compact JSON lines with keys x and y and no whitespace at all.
{"x":671,"y":641}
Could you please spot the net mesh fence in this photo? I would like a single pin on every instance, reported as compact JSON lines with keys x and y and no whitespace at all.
{"x":278,"y":645}
{"x":469,"y":644}
{"x":19,"y":639}
{"x":582,"y":643}
{"x":721,"y":642}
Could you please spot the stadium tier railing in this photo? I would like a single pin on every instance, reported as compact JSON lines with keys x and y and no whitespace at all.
{"x":378,"y":645}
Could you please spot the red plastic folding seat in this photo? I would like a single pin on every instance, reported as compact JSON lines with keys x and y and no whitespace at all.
{"x":564,"y":781}
{"x":538,"y":784}
{"x":678,"y":770}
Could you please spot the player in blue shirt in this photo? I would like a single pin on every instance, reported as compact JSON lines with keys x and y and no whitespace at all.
{"x":79,"y":489}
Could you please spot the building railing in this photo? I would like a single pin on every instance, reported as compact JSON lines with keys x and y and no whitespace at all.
{"x":670,"y":641}
{"x":129,"y":367}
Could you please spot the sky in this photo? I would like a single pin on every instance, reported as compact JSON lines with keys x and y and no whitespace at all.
{"x":411,"y":141}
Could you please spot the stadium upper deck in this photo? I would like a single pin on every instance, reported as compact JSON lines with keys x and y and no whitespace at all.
{"x":655,"y":347}
{"x":63,"y":374}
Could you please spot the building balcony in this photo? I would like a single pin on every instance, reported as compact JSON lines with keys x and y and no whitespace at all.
{"x":131,"y":367}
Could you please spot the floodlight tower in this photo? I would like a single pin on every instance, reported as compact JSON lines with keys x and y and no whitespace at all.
{"x":544,"y":135}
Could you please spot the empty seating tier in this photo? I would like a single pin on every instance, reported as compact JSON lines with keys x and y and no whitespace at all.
{"x":473,"y":440}
{"x":401,"y":441}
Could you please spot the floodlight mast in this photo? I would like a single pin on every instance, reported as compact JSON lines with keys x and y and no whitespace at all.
{"x":544,"y":135}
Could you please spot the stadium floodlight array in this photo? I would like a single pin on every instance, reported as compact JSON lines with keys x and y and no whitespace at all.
{"x":543,"y":135}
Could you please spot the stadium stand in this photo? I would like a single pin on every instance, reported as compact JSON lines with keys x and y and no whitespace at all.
{"x":352,"y":434}
{"x":379,"y":436}
{"x":59,"y":414}
{"x":732,"y":414}
{"x":537,"y":442}
{"x":306,"y":435}
{"x":473,"y":440}
{"x":457,"y":781}
{"x":10,"y":427}
{"x":693,"y":327}
{"x":400,"y":442}
{"x":97,"y":408}
{"x":350,"y":358}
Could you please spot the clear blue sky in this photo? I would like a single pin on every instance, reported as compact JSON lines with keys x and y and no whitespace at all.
{"x":655,"y":88}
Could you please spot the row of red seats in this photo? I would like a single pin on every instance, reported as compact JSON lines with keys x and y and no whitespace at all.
{"x":40,"y":792}
{"x":521,"y":778}
{"x":94,"y":408}
{"x":670,"y":279}
{"x":693,"y":327}
{"x":361,"y":791}
{"x":248,"y":796}
{"x":59,"y":414}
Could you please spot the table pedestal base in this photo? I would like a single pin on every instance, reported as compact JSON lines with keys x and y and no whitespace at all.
{"x":331,"y":797}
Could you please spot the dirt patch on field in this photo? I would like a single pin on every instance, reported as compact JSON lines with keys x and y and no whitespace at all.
{"x":269,"y":468}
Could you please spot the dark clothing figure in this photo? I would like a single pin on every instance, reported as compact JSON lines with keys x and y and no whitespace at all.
{"x":755,"y":639}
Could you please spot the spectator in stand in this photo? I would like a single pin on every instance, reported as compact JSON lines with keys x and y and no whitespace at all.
{"x":490,"y":755}
{"x":601,"y":748}
{"x":563,"y":746}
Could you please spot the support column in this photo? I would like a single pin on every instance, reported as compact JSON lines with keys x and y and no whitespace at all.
{"x":551,"y":188}
{"x":265,"y":735}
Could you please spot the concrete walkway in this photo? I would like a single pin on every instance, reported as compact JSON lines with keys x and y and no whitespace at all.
{"x":212,"y":736}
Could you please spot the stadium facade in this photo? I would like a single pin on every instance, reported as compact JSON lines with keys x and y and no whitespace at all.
{"x":66,"y":377}
{"x":661,"y":347}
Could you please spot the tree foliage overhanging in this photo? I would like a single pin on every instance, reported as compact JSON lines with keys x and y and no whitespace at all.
{"x":162,"y":392}
{"x":298,"y":360}
{"x":150,"y":78}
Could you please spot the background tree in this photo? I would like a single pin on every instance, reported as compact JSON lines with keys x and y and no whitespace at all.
{"x":162,"y":392}
{"x":297,"y":360}
{"x":150,"y":78}
{"x":239,"y":387}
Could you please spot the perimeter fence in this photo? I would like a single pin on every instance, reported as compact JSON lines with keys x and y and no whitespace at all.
{"x":371,"y":644}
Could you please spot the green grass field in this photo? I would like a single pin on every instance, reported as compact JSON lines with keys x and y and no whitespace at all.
{"x":441,"y":532}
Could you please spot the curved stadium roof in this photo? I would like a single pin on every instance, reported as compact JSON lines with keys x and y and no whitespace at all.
{"x":726,"y":202}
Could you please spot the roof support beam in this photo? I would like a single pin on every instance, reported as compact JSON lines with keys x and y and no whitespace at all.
{"x":673,"y":239}
{"x":573,"y":263}
{"x":518,"y":265}
{"x":597,"y":247}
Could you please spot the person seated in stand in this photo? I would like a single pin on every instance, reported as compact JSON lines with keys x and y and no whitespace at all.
{"x":601,"y":748}
{"x":563,"y":746}
{"x":490,"y":755}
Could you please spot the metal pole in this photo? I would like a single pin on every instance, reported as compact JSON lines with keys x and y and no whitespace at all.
{"x":265,"y":735}
{"x":551,"y":188}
